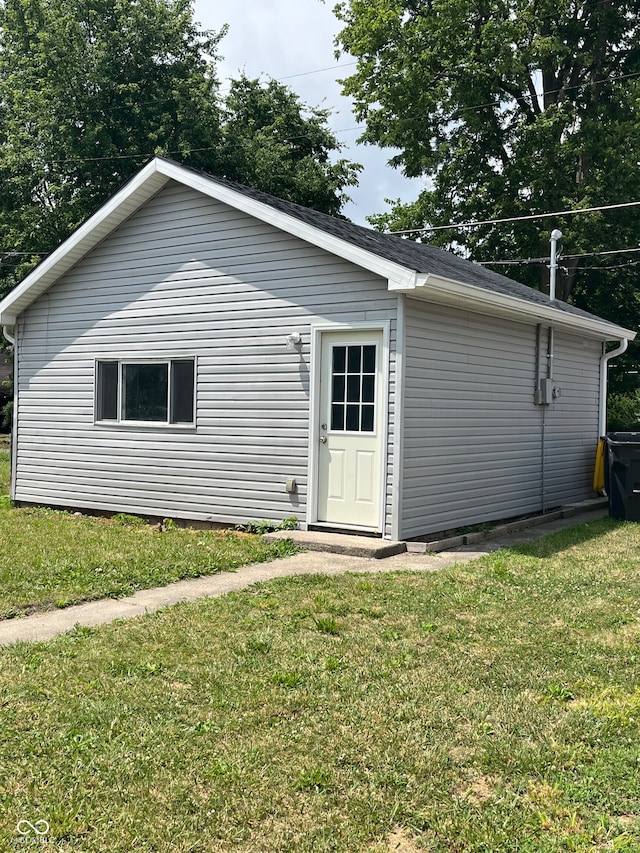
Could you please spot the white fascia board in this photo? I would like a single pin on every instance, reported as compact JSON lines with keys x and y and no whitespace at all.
{"x":446,"y":291}
{"x":106,"y":219}
{"x":400,"y":275}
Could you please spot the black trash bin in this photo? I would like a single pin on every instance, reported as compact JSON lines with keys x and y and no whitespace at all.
{"x":622,"y":475}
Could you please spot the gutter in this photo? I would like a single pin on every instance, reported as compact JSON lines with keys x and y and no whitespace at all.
{"x":604,"y":363}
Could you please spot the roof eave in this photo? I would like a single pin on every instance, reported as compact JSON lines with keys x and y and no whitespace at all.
{"x":446,"y":291}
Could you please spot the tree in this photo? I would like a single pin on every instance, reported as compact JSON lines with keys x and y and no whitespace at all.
{"x":508,"y":108}
{"x":273,"y":141}
{"x":91,"y":89}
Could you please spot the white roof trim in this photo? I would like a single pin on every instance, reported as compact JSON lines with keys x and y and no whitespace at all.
{"x":159,"y":172}
{"x":435,"y":288}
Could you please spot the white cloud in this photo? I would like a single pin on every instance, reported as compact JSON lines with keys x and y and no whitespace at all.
{"x":287,"y":39}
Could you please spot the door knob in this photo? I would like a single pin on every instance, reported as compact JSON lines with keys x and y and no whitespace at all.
{"x":323,"y":439}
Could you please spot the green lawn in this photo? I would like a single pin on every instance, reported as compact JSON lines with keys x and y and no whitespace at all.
{"x":52,"y":559}
{"x":489,"y":707}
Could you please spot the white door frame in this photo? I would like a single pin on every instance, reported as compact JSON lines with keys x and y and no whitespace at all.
{"x":317,"y":331}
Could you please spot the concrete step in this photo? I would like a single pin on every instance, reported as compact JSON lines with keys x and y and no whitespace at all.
{"x":340,"y":543}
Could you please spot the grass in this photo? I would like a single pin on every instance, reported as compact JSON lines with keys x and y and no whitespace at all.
{"x":57,"y":558}
{"x":489,"y":707}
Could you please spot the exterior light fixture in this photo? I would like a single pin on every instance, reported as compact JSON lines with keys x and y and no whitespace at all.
{"x":293,"y":340}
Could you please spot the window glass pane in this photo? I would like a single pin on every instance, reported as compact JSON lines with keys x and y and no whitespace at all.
{"x":353,"y":418}
{"x":182,"y":387}
{"x":339,"y":358}
{"x":337,"y":416}
{"x":337,"y":390}
{"x":145,"y":392}
{"x":107,"y":396}
{"x":353,"y":389}
{"x":367,"y":418}
{"x":369,"y":359}
{"x":354,"y":359}
{"x":368,"y":384}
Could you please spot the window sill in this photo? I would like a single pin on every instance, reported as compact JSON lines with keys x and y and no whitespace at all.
{"x":145,"y":425}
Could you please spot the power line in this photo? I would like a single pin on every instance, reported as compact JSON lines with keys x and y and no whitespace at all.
{"x":604,"y":252}
{"x":315,"y":71}
{"x":523,"y":261}
{"x":528,"y":217}
{"x":616,"y":267}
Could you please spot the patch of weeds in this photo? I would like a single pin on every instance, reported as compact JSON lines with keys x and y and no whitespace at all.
{"x":259,"y":644}
{"x":287,"y":679}
{"x":264,"y":525}
{"x":557,"y":693}
{"x":135,"y":669}
{"x":124,"y":519}
{"x":204,"y":727}
{"x":372,"y":612}
{"x":327,"y":625}
{"x":82,"y":631}
{"x":317,"y":780}
{"x":217,"y":770}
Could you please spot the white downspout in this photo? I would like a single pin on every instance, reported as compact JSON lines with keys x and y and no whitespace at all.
{"x":8,"y":335}
{"x":604,"y":361}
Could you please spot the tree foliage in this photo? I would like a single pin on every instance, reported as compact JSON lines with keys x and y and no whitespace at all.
{"x":91,"y":89}
{"x":508,"y":108}
{"x":273,"y":141}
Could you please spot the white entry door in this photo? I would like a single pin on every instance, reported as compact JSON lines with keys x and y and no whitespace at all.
{"x":350,"y":429}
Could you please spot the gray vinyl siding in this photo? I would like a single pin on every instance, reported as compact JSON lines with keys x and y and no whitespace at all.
{"x":473,"y":437}
{"x":571,"y":422}
{"x":185,"y":276}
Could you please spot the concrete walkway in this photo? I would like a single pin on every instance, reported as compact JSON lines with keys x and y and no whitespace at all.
{"x":43,"y":626}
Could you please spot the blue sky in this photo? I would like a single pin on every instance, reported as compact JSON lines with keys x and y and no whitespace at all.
{"x":292,"y":40}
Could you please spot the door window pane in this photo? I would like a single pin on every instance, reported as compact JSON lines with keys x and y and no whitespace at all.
{"x":368,"y":386}
{"x":353,"y":389}
{"x":353,"y":419}
{"x":337,"y":416}
{"x":369,"y":359}
{"x":145,"y":392}
{"x":354,"y":359}
{"x":337,"y":389}
{"x":339,"y":359}
{"x":367,"y":419}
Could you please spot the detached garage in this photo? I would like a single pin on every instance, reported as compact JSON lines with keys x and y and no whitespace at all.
{"x":204,"y":351}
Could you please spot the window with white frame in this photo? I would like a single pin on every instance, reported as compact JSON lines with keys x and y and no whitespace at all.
{"x":158,"y":391}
